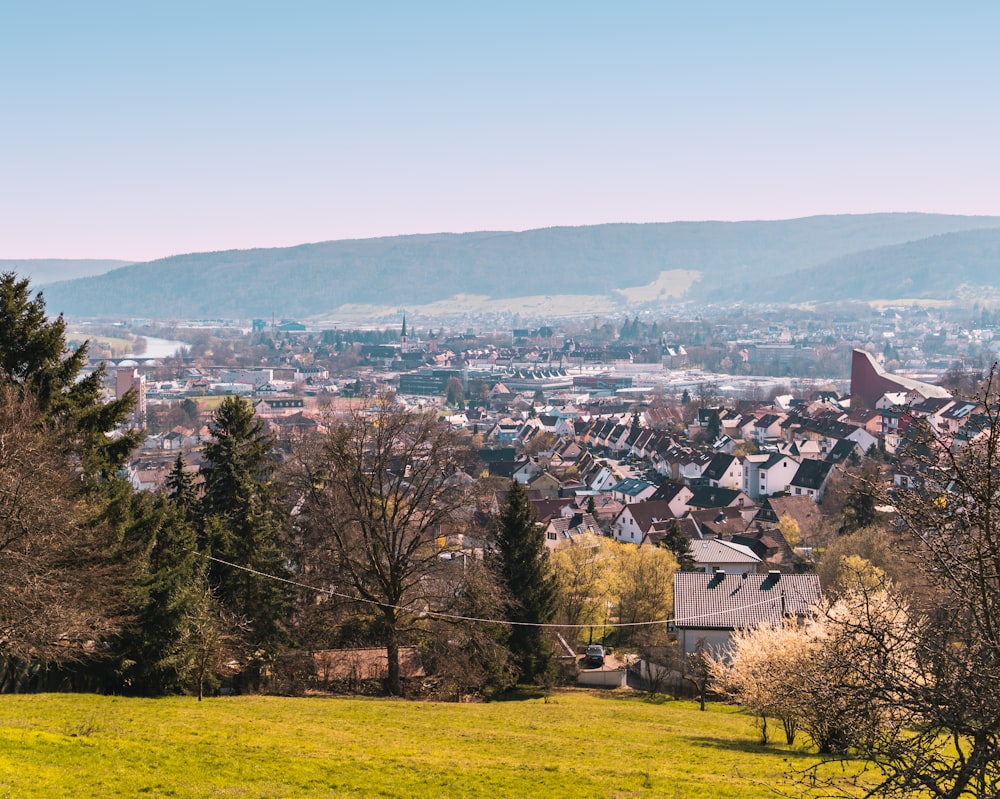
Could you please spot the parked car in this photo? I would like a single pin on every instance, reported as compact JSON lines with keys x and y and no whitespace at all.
{"x":594,"y":658}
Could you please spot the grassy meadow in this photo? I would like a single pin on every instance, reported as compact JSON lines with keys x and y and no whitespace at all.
{"x":571,"y":745}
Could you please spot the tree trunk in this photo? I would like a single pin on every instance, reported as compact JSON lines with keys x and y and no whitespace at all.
{"x":393,"y":684}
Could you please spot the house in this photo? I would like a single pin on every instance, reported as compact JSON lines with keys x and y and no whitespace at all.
{"x":632,"y":489}
{"x":545,"y":484}
{"x":810,"y":479}
{"x":634,"y":521}
{"x":716,"y":555}
{"x":800,"y":508}
{"x":150,"y":474}
{"x":709,"y":607}
{"x":676,"y":494}
{"x":773,"y":548}
{"x":563,"y":530}
{"x":659,"y":530}
{"x":767,"y":427}
{"x":278,"y":406}
{"x":709,"y":497}
{"x":718,"y":522}
{"x":767,"y":473}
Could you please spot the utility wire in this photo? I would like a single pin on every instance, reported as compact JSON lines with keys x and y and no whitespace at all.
{"x":457,"y":617}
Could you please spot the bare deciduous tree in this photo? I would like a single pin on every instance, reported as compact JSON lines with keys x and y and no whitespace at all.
{"x":57,"y":590}
{"x":380,"y":493}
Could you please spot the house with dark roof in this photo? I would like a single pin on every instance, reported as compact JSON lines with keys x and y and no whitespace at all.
{"x":768,"y":427}
{"x":718,"y":522}
{"x":711,"y":497}
{"x":709,"y":607}
{"x":810,"y":479}
{"x":846,"y":450}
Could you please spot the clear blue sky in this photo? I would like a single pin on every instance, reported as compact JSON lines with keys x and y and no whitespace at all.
{"x":137,"y":130}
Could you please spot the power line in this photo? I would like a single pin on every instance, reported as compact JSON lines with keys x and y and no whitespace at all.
{"x":477,"y":619}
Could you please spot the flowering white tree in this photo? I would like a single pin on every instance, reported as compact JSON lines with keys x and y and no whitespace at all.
{"x":757,"y":668}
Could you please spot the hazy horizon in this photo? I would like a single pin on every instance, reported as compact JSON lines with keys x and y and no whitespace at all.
{"x":142,"y":132}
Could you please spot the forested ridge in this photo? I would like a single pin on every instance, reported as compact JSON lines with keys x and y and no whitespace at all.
{"x":736,"y":261}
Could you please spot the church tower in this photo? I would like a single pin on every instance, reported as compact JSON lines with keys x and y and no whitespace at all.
{"x":403,"y":340}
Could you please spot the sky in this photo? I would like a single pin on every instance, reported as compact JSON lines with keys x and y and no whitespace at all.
{"x":138,"y":130}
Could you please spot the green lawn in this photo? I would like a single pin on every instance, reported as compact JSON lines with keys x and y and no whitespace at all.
{"x":575,"y":745}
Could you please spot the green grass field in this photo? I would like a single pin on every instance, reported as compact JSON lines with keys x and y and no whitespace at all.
{"x":573,"y":745}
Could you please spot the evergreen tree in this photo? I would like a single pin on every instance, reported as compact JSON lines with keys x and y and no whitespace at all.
{"x":240,"y":524}
{"x":523,"y":567}
{"x":860,"y":506}
{"x":157,"y":645}
{"x":34,"y":357}
{"x":680,"y":545}
{"x":181,"y":490}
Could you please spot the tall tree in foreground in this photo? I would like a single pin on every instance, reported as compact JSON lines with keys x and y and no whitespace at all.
{"x":156,"y":644}
{"x":59,"y":590}
{"x":241,"y":524}
{"x":522,"y":563}
{"x":379,"y":494}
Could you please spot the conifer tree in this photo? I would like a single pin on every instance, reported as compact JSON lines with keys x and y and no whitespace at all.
{"x":680,"y":545}
{"x":522,"y":564}
{"x":34,"y":357}
{"x":157,"y":645}
{"x":181,"y":490}
{"x":240,"y":525}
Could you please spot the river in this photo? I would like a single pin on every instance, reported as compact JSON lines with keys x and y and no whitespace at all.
{"x":158,"y":348}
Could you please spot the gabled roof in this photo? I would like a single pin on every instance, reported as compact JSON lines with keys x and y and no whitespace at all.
{"x":720,"y":464}
{"x":546,"y":509}
{"x":801,"y":508}
{"x":715,"y":550}
{"x":646,"y":513}
{"x":631,"y":486}
{"x":658,"y":530}
{"x":667,"y":491}
{"x":711,"y":497}
{"x":811,"y":474}
{"x":725,"y":601}
{"x":718,"y":521}
{"x":842,"y":450}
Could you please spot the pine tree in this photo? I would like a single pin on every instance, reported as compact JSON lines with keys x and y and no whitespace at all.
{"x":240,"y":524}
{"x":156,"y":646}
{"x":680,"y":545}
{"x":35,"y":358}
{"x":181,"y":490}
{"x":523,"y":567}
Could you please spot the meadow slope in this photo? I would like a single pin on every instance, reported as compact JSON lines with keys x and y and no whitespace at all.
{"x":568,"y":746}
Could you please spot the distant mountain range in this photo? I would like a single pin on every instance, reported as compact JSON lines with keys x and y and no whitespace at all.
{"x":859,"y":257}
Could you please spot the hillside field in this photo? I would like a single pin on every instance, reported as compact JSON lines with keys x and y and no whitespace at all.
{"x":570,"y":745}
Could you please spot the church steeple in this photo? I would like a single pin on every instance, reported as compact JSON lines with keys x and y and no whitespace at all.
{"x":404,"y":345}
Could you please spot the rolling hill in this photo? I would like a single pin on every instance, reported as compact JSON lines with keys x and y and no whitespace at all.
{"x":730,"y":261}
{"x":962,"y":265}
